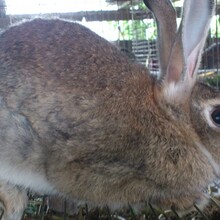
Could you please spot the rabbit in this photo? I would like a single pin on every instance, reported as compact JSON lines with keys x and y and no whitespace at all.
{"x":80,"y":120}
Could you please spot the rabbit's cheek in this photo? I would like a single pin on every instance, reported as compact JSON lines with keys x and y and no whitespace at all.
{"x":210,"y":158}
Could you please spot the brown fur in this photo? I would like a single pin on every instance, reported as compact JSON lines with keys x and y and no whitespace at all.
{"x":95,"y":124}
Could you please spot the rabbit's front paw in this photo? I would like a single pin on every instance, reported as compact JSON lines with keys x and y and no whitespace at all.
{"x":187,"y":204}
{"x":182,"y":204}
{"x":13,"y":201}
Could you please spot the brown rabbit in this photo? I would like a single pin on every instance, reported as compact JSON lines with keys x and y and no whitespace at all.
{"x":79,"y":119}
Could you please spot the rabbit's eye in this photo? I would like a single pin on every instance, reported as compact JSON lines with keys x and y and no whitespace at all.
{"x":216,"y":116}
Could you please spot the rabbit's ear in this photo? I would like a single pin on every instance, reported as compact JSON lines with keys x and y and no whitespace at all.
{"x":165,"y":16}
{"x":187,"y":48}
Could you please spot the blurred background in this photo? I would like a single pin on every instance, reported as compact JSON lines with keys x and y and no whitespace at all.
{"x":126,"y":23}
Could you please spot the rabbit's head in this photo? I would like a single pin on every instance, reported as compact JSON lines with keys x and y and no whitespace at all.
{"x":180,"y":54}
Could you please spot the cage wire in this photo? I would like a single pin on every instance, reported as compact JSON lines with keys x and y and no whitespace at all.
{"x":133,"y":31}
{"x":2,"y":9}
{"x":210,"y":62}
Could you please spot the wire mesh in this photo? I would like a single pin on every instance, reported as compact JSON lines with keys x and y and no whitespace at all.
{"x":45,"y":211}
{"x":210,"y":62}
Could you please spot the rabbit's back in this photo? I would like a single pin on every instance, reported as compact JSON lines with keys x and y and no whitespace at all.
{"x":78,"y":91}
{"x":57,"y":71}
{"x":103,"y":136}
{"x":80,"y":95}
{"x":64,"y":52}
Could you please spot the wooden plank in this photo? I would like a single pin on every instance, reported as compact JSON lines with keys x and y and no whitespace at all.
{"x":123,"y":14}
{"x":93,"y":15}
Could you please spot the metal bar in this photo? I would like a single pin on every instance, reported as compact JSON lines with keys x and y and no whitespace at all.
{"x":215,"y":201}
{"x":122,"y":14}
{"x":153,"y":211}
{"x":42,"y":213}
{"x":65,"y":214}
{"x":175,"y":212}
{"x":200,"y":212}
{"x":2,"y":213}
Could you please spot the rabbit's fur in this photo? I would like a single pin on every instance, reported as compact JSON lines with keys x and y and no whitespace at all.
{"x":79,"y":119}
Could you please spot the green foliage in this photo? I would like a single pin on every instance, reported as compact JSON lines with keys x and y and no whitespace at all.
{"x":146,"y":29}
{"x":136,"y":29}
{"x":215,"y":26}
{"x":140,"y":5}
{"x":213,"y":81}
{"x":129,"y":30}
